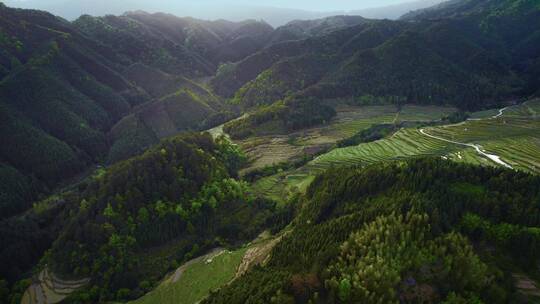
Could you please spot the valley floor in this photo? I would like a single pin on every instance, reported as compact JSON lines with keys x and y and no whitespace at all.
{"x":507,"y":137}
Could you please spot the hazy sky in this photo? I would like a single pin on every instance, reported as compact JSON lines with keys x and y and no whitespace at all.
{"x":276,"y":12}
{"x":311,"y":5}
{"x":317,"y":5}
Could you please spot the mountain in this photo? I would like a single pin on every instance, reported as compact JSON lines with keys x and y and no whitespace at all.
{"x":71,"y":10}
{"x":276,"y":16}
{"x":423,"y":231}
{"x":302,"y":29}
{"x":65,"y":87}
{"x":394,"y":12}
{"x":184,"y":46}
{"x":110,"y":192}
{"x":472,"y":60}
{"x":179,"y":195}
{"x":456,"y":8}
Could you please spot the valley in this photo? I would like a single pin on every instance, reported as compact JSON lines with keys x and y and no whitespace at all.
{"x":507,"y":139}
{"x":149,"y":158}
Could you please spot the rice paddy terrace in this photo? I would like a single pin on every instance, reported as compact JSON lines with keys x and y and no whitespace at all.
{"x":273,"y":149}
{"x":509,"y":138}
{"x":47,"y":288}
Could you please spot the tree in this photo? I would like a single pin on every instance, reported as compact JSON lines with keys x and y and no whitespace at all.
{"x":344,"y":291}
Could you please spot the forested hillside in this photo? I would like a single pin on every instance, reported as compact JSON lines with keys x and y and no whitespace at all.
{"x":139,"y":218}
{"x":65,"y":87}
{"x":423,"y":231}
{"x":473,"y":59}
{"x":112,"y":189}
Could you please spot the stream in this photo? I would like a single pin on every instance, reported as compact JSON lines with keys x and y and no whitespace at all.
{"x":495,"y":158}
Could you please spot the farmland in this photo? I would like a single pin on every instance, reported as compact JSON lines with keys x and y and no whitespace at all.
{"x":48,"y":288}
{"x":194,"y":280}
{"x":512,"y":136}
{"x":272,"y":149}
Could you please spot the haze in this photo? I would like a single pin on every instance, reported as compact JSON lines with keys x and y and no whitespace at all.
{"x":275,"y":12}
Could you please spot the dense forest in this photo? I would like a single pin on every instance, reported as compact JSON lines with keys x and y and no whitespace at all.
{"x":423,"y":231}
{"x":180,"y":195}
{"x":107,"y":173}
{"x":100,"y":90}
{"x":472,"y":55}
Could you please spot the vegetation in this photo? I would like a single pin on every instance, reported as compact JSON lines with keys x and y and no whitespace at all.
{"x":388,"y":232}
{"x":290,"y":114}
{"x":343,"y":111}
{"x":401,"y":62}
{"x":400,"y":251}
{"x":197,"y":280}
{"x":177,"y":194}
{"x":372,"y":134}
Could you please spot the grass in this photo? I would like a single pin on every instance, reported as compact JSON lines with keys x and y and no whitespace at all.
{"x":197,"y":280}
{"x":424,"y":113}
{"x":273,"y":149}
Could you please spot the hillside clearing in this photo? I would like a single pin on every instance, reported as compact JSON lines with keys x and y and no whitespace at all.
{"x":193,"y":281}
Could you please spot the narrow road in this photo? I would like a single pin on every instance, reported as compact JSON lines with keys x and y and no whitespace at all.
{"x":501,"y":112}
{"x":209,"y":256}
{"x":478,"y":148}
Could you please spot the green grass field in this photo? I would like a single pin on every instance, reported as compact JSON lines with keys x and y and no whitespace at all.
{"x":197,"y":280}
{"x":514,"y":137}
{"x":272,"y":149}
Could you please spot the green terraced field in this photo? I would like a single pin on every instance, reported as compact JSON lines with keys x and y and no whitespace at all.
{"x":514,"y":137}
{"x":196,"y":280}
{"x":351,"y":120}
{"x":272,"y":149}
{"x":424,"y":113}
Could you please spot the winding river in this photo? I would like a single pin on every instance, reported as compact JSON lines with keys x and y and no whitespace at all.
{"x":495,"y":158}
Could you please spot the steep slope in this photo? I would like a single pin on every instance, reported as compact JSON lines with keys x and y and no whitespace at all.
{"x":184,"y":106}
{"x":137,"y":219}
{"x":302,"y":29}
{"x":178,"y":194}
{"x":457,"y":8}
{"x":402,"y":231}
{"x":59,"y":94}
{"x":395,"y":11}
{"x":70,"y":92}
{"x":176,"y":45}
{"x":470,"y":60}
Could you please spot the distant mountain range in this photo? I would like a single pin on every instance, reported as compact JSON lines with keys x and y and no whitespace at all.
{"x":394,"y":11}
{"x":95,"y":91}
{"x":275,"y":16}
{"x":467,"y":53}
{"x":101,"y":89}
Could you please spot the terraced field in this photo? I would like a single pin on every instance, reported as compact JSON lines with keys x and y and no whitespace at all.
{"x":272,"y":149}
{"x":496,"y":138}
{"x":513,"y":136}
{"x":49,"y":289}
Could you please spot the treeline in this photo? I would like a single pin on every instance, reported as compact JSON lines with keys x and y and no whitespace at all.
{"x":401,"y":232}
{"x":293,"y":113}
{"x":111,"y":228}
{"x":178,"y":194}
{"x":398,"y":62}
{"x":373,"y":133}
